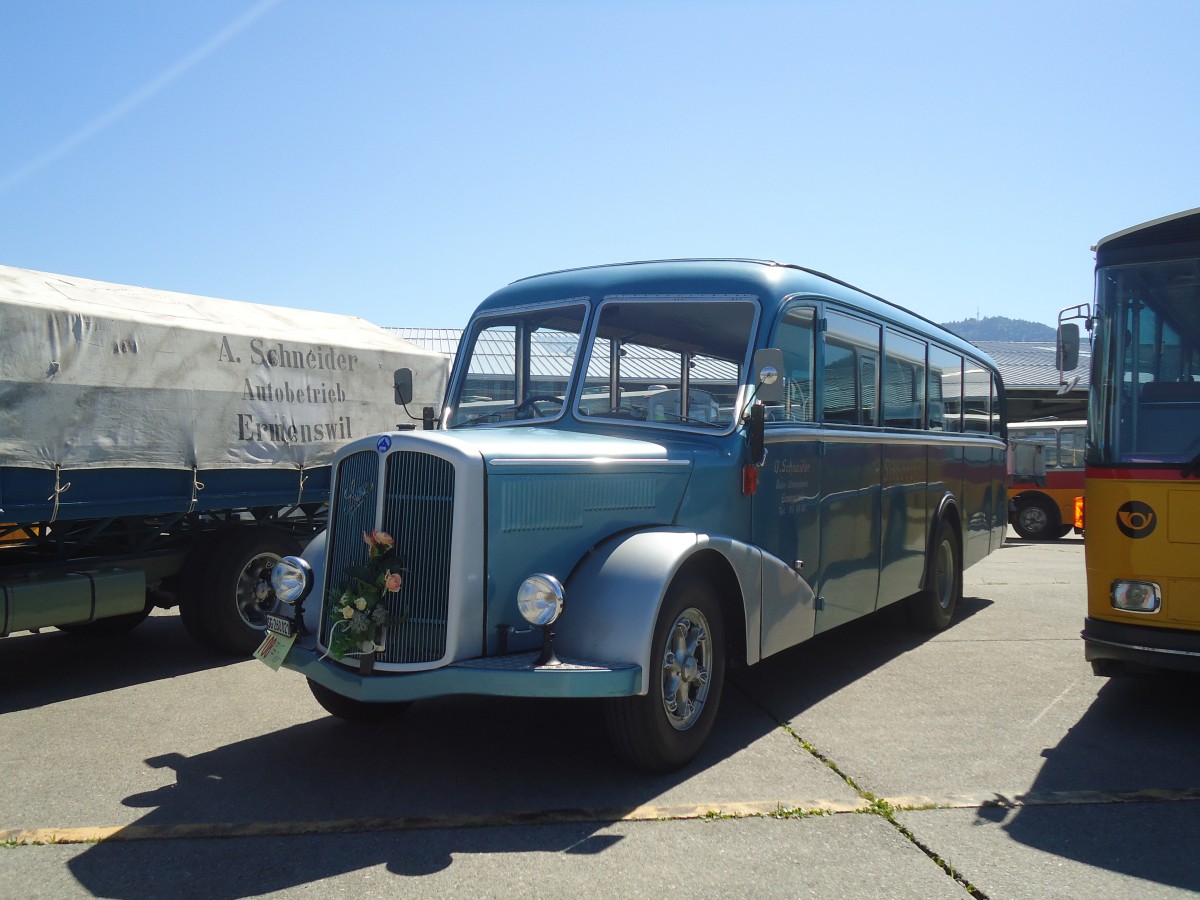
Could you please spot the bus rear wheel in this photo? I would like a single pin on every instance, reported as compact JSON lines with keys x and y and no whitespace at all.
{"x":1037,"y":520}
{"x":933,"y":609}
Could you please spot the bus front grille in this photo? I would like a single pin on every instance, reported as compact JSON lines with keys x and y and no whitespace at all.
{"x":417,"y":494}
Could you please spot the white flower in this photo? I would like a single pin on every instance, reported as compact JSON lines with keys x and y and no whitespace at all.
{"x":367,"y":646}
{"x":348,"y":612}
{"x":361,"y":604}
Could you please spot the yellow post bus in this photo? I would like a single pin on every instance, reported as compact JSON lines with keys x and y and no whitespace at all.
{"x":1043,"y":509}
{"x":1142,"y":491}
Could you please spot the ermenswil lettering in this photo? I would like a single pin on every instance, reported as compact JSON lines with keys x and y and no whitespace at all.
{"x":285,"y":432}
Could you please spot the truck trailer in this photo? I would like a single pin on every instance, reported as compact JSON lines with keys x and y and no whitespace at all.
{"x":160,"y":449}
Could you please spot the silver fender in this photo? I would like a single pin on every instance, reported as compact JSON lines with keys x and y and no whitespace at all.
{"x":613,"y":597}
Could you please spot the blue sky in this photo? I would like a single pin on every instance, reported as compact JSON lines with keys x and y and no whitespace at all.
{"x":401,"y":160}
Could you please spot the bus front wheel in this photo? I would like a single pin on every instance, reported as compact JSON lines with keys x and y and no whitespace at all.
{"x":665,"y":728}
{"x":350,"y":710}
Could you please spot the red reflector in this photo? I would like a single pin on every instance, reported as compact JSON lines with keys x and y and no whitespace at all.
{"x":749,"y":480}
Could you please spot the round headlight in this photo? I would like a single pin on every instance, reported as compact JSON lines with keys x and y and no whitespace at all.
{"x":540,"y":599}
{"x":292,"y":579}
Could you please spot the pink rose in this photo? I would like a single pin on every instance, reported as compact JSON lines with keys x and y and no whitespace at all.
{"x":392,"y":582}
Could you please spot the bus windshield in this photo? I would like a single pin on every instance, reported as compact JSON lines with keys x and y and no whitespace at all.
{"x":1145,"y":401}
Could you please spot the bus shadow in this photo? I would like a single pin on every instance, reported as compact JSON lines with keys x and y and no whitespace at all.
{"x":407,"y":794}
{"x":1136,"y":743}
{"x":52,"y":665}
{"x":831,"y":661}
{"x":412,"y":784}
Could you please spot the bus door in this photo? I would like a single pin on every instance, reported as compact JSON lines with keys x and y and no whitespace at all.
{"x":787,"y":505}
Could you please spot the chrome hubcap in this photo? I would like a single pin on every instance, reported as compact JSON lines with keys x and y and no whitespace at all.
{"x":686,"y":669}
{"x":945,"y":574}
{"x":255,"y":597}
{"x":1034,"y":519}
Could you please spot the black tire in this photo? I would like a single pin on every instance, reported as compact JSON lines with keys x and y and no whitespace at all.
{"x":234,"y":587}
{"x":652,"y":732}
{"x":354,"y":710}
{"x":1037,"y":519}
{"x":190,"y":593}
{"x":933,"y":608}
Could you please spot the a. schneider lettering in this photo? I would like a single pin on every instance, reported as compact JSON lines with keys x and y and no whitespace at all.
{"x":276,"y":355}
{"x":258,"y":427}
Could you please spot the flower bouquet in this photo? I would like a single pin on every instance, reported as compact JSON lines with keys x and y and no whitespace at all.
{"x":357,"y":617}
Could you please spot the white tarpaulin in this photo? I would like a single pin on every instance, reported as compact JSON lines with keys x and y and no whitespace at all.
{"x":96,"y":374}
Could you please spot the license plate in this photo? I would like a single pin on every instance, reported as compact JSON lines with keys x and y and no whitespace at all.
{"x":280,"y":625}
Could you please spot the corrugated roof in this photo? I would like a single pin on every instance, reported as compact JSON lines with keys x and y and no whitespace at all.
{"x":1029,"y":365}
{"x":1026,"y":365}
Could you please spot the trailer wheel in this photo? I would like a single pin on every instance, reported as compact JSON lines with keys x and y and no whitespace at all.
{"x":190,"y":593}
{"x":235,"y":591}
{"x":1037,"y":520}
{"x":350,"y":710}
{"x":665,"y":728}
{"x":933,"y":608}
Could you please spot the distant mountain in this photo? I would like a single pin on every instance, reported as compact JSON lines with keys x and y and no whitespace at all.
{"x":999,"y":328}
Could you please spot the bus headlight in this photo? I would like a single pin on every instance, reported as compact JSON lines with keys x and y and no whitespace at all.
{"x":1136,"y":596}
{"x":540,"y":599}
{"x":292,"y":579}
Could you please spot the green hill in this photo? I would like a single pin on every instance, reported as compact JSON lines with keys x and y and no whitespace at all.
{"x":1000,"y":328}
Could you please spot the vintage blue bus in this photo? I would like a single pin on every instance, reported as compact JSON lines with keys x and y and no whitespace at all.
{"x":645,"y":473}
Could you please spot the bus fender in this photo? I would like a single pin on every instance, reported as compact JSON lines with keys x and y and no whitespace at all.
{"x":613,"y":596}
{"x":947,"y":510}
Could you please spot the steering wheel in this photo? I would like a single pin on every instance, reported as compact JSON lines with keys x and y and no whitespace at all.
{"x":527,"y":408}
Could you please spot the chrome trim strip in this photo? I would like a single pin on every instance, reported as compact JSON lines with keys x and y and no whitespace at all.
{"x":589,"y":461}
{"x":780,"y":432}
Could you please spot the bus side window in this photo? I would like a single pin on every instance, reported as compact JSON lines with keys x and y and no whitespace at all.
{"x":1071,"y":447}
{"x":904,"y":382}
{"x":945,"y":390}
{"x":794,"y":337}
{"x":977,"y":393}
{"x":851,"y":375}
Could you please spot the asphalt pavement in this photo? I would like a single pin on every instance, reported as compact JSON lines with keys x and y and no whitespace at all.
{"x":872,"y":761}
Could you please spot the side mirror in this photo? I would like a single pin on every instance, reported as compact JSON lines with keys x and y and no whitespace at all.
{"x":404,"y":389}
{"x":768,"y":375}
{"x":1066,"y":353}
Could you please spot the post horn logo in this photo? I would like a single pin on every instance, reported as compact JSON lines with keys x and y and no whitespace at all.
{"x":1136,"y":519}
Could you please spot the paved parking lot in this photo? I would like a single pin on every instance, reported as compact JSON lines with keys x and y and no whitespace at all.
{"x":872,"y":761}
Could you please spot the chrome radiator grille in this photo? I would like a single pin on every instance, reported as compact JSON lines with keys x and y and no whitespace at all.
{"x":418,"y":505}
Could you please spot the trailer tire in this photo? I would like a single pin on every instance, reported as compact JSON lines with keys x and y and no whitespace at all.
{"x":933,"y":608}
{"x":234,"y":587}
{"x":666,"y":727}
{"x":190,"y":594}
{"x":350,"y":710}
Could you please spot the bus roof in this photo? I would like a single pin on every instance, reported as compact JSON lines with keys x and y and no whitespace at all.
{"x":1180,"y":226}
{"x":771,"y":282}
